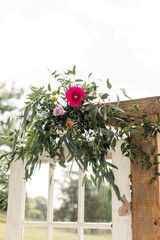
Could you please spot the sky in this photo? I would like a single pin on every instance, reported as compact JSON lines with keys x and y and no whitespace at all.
{"x":112,"y":39}
{"x":115,"y":39}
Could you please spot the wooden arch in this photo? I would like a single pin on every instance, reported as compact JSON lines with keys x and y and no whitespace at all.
{"x":145,"y":196}
{"x":145,"y":201}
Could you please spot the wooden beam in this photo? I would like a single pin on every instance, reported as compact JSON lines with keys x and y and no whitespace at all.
{"x":145,"y":196}
{"x":149,"y":105}
{"x":145,"y":200}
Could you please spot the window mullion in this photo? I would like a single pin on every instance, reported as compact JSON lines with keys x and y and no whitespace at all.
{"x":80,"y":206}
{"x":50,"y":204}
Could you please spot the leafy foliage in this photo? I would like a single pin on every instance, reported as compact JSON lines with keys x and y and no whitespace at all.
{"x":96,"y":127}
{"x":35,"y":208}
{"x":6,"y":106}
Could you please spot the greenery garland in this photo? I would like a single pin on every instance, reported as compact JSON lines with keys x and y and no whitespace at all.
{"x":71,"y":116}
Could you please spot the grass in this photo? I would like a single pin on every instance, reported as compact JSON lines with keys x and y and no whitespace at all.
{"x":39,"y":233}
{"x":31,"y":233}
{"x":2,"y":225}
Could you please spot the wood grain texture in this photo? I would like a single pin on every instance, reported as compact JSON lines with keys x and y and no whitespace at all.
{"x":145,"y":203}
{"x":149,"y":105}
{"x":146,"y":105}
{"x":145,"y":196}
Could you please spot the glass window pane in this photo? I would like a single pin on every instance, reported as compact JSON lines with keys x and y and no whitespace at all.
{"x":36,"y":195}
{"x":97,"y":234}
{"x":65,"y":193}
{"x":65,"y":234}
{"x":100,"y":201}
{"x":34,"y":233}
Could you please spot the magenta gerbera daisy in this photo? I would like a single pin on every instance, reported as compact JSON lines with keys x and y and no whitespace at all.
{"x":74,"y":96}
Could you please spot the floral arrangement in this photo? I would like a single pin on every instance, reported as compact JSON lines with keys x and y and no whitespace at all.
{"x":76,"y":116}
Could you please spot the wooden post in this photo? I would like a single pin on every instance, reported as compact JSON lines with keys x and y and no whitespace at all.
{"x":145,"y":196}
{"x":16,"y":202}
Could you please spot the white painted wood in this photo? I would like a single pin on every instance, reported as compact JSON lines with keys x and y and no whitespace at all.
{"x":49,"y":235}
{"x":80,"y":206}
{"x":121,"y":224}
{"x":16,"y":202}
{"x":85,"y":225}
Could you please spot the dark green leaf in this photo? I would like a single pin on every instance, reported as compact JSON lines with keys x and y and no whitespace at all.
{"x":111,"y":165}
{"x":116,"y":189}
{"x":105,"y":95}
{"x":153,"y":150}
{"x":152,"y":180}
{"x":15,"y":142}
{"x":90,"y":75}
{"x":104,"y":131}
{"x":27,"y":109}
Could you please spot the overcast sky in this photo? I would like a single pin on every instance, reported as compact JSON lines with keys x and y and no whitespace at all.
{"x":115,"y":39}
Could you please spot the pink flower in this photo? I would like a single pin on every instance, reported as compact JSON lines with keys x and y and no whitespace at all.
{"x":58,"y":111}
{"x":74,"y":96}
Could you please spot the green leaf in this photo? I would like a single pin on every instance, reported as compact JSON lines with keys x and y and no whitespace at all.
{"x":49,"y":87}
{"x":59,"y":88}
{"x":84,"y":180}
{"x":115,"y":107}
{"x":62,"y":164}
{"x":74,"y":70}
{"x":111,"y":165}
{"x":33,"y":114}
{"x":108,"y":84}
{"x":67,"y":82}
{"x":105,"y":95}
{"x":70,"y":158}
{"x":93,"y":179}
{"x":116,"y":189}
{"x":104,"y":131}
{"x":15,"y":142}
{"x":124,"y":93}
{"x":110,"y":177}
{"x":114,"y":143}
{"x":89,"y":75}
{"x":152,"y":180}
{"x":89,"y":183}
{"x":54,"y":92}
{"x":54,"y":73}
{"x":67,"y":144}
{"x":70,"y":140}
{"x":153,"y":150}
{"x":99,"y":182}
{"x":27,"y":109}
{"x":78,"y":80}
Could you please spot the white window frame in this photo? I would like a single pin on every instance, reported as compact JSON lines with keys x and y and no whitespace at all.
{"x":121,"y":226}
